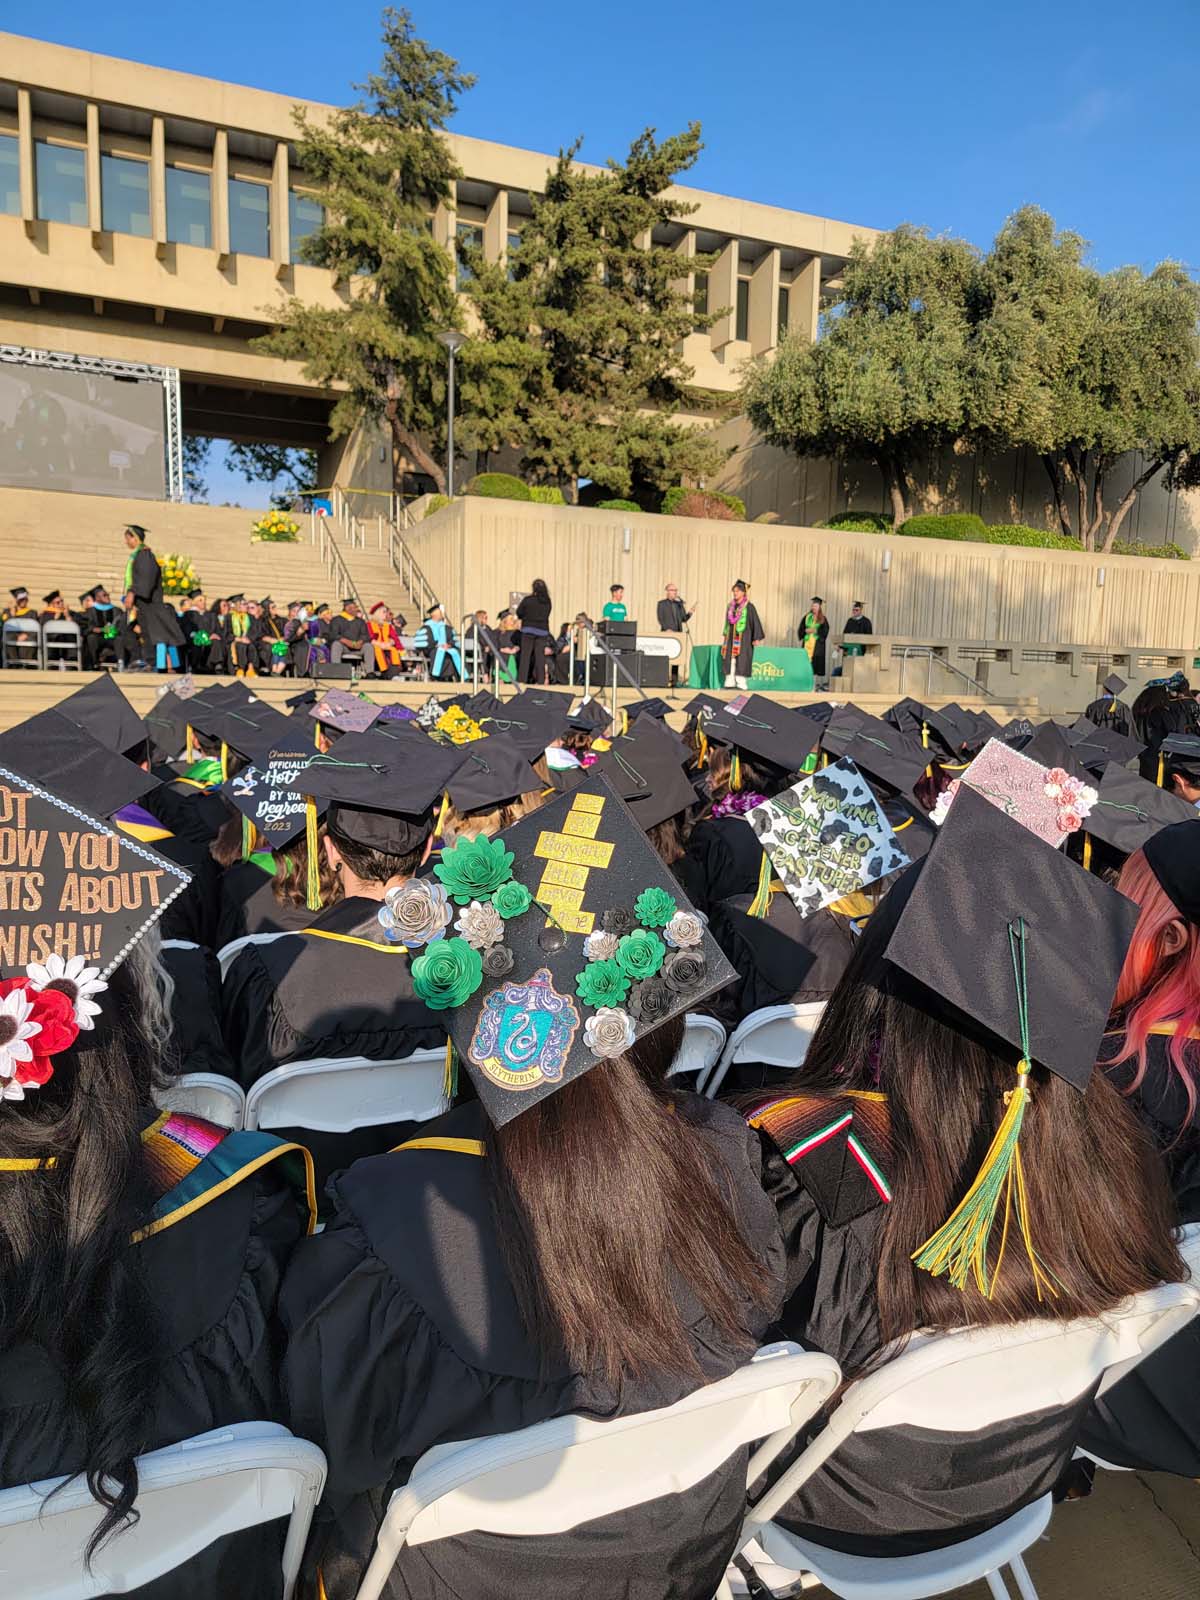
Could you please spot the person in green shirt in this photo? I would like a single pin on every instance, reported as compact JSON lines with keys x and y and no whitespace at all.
{"x":615,"y":610}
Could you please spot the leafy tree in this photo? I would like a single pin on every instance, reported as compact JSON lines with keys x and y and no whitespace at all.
{"x":1086,"y":368}
{"x":381,"y":168}
{"x":196,"y":450}
{"x":293,"y":472}
{"x":887,"y":377}
{"x":577,"y":362}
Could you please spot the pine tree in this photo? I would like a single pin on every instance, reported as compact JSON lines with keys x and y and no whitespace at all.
{"x":381,"y":168}
{"x":577,"y":363}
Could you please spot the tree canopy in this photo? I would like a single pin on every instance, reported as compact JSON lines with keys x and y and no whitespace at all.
{"x":580,"y":330}
{"x":1026,"y":347}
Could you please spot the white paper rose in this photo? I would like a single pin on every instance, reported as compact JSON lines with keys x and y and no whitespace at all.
{"x":685,"y":929}
{"x":600,"y":946}
{"x":417,"y":913}
{"x":481,"y":925}
{"x":609,"y":1032}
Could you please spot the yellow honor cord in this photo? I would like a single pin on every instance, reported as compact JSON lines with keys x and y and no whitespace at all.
{"x":313,"y":848}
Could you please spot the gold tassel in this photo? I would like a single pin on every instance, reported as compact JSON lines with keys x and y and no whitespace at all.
{"x":224,"y":762}
{"x":735,"y":772}
{"x":701,"y":749}
{"x":191,"y":745}
{"x":761,"y":903}
{"x":624,"y":723}
{"x":924,"y":736}
{"x":441,"y":816}
{"x":1087,"y":852}
{"x":1162,"y":761}
{"x":314,"y":859}
{"x":450,"y":1076}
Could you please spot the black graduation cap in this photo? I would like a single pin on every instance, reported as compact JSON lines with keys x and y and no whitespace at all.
{"x":590,"y":716}
{"x":1050,"y":747}
{"x":49,"y":599}
{"x":378,"y":795}
{"x":700,"y":705}
{"x":650,"y":732}
{"x":301,"y":701}
{"x":1182,"y":751}
{"x":1173,"y":855}
{"x":652,"y":706}
{"x":237,"y":599}
{"x":264,"y":792}
{"x":348,"y":713}
{"x":104,"y":712}
{"x":543,"y":698}
{"x":1129,"y":811}
{"x":494,"y":772}
{"x":840,"y":727}
{"x":20,"y":592}
{"x":482,"y":704}
{"x":1095,"y":747}
{"x":550,"y":1003}
{"x":1115,"y":685}
{"x":990,"y":893}
{"x":766,"y":731}
{"x":884,"y":753}
{"x":648,"y":776}
{"x":61,"y":755}
{"x":1017,"y":732}
{"x":531,"y":728}
{"x":167,"y":725}
{"x":820,"y":712}
{"x":913,"y":829}
{"x":135,"y":527}
{"x":243,"y":727}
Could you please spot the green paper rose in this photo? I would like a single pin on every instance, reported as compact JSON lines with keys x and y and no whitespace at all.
{"x":511,"y":899}
{"x":474,"y":868}
{"x":640,"y":953}
{"x":655,"y":908}
{"x":601,"y":983}
{"x":447,"y":975}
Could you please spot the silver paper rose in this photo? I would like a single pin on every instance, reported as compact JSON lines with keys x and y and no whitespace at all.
{"x":600,"y":946}
{"x":609,"y":1032}
{"x":480,"y":925}
{"x":685,"y":930}
{"x":417,"y":913}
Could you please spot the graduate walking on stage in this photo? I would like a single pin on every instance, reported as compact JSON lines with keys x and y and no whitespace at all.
{"x":159,"y":624}
{"x":743,"y":630}
{"x":814,"y":631}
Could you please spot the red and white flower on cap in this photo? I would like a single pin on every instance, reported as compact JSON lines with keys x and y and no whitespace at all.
{"x":75,"y":979}
{"x":17,"y":1027}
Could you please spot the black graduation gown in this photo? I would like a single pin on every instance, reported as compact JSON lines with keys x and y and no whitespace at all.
{"x":403,"y":1333}
{"x":189,"y":809}
{"x":1151,"y":1419}
{"x":248,"y":905}
{"x":213,"y":1274}
{"x":894,"y":1491}
{"x":818,"y":654}
{"x":752,"y":634}
{"x":351,"y":632}
{"x":722,"y":859}
{"x":196,"y":1040}
{"x":157,"y":620}
{"x":780,"y":958}
{"x":1109,"y":712}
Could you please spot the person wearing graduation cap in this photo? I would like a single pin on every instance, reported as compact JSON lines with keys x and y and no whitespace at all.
{"x":349,"y":634}
{"x":54,"y":607}
{"x":1181,"y":765}
{"x":243,"y":645}
{"x":582,"y":1238}
{"x":339,"y":988}
{"x":743,"y":631}
{"x":645,"y":766}
{"x":492,"y":788}
{"x":273,"y":649}
{"x":812,"y":633}
{"x":22,"y":646}
{"x":159,"y":624}
{"x":141,"y":1251}
{"x":947,"y":1157}
{"x":1110,"y":711}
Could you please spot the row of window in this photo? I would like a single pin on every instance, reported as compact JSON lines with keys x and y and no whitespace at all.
{"x":470,"y":237}
{"x":61,"y":181}
{"x":741,"y":325}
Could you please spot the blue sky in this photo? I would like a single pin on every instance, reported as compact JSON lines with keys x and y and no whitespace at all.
{"x":946,"y":114}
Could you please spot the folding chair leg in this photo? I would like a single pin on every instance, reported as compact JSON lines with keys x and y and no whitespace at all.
{"x":1024,"y":1582}
{"x":996,"y":1583}
{"x":724,"y":1592}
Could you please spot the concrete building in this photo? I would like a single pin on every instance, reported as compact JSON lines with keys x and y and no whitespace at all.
{"x":154,"y":216}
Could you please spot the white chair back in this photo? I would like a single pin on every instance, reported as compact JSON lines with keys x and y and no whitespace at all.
{"x":970,"y":1380}
{"x":21,"y":639}
{"x":228,"y":952}
{"x":62,"y":644}
{"x":205,"y":1094}
{"x":777,"y":1036}
{"x":555,"y":1475}
{"x":703,"y":1039}
{"x":338,"y":1094}
{"x":188,"y":1495}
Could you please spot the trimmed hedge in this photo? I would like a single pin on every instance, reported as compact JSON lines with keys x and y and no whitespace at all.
{"x":1164,"y":552}
{"x":437,"y":502}
{"x":617,"y":505}
{"x":1037,"y":538}
{"x":955,"y":525}
{"x":859,"y":522}
{"x":546,"y":494}
{"x":675,"y":497}
{"x":499,"y":486}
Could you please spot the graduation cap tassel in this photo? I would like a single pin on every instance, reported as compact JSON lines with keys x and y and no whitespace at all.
{"x":762,"y":895}
{"x":450,"y":1079}
{"x":1162,"y":760}
{"x":735,"y":771}
{"x":441,"y":816}
{"x":248,"y":833}
{"x":1087,"y":852}
{"x":959,"y":1247}
{"x":701,"y":749}
{"x":224,"y":762}
{"x":313,"y":849}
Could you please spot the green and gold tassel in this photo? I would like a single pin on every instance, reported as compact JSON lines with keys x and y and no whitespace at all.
{"x":735,"y":772}
{"x":314,"y":859}
{"x":760,"y":905}
{"x":450,"y":1077}
{"x":249,"y":832}
{"x":959,"y":1247}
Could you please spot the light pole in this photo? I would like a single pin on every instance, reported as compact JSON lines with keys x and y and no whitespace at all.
{"x":454,"y":341}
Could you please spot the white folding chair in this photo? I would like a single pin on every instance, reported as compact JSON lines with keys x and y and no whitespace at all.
{"x":227,"y":953}
{"x":205,"y":1094}
{"x":776,"y":1036}
{"x":65,"y":640}
{"x":334,"y":1094}
{"x":554,"y":1475}
{"x":188,"y":1495}
{"x":966,"y":1382}
{"x":703,"y":1038}
{"x":21,"y":643}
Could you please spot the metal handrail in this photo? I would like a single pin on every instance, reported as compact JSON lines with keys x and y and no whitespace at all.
{"x":405,"y":564}
{"x":931,"y":657}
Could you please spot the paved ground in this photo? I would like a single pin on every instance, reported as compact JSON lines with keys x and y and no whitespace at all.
{"x":1137,"y":1537}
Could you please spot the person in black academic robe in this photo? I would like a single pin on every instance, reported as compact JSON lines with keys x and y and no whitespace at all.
{"x":812,"y":633}
{"x":269,"y":635}
{"x":722,"y":860}
{"x":404,"y":1332}
{"x":159,"y":625}
{"x":743,"y":631}
{"x":197,"y":1044}
{"x":781,"y":958}
{"x":249,"y":904}
{"x":349,"y":635}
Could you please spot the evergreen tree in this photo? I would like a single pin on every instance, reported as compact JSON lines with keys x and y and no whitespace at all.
{"x":577,"y":362}
{"x":381,"y":168}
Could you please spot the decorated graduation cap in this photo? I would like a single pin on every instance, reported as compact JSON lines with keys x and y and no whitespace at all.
{"x":553,"y":946}
{"x":348,"y":713}
{"x":1049,"y":801}
{"x":266,"y":792}
{"x":767,"y":731}
{"x":106,"y":714}
{"x":1094,"y":747}
{"x":827,"y":837}
{"x":493,"y":772}
{"x":1006,"y":940}
{"x":1129,"y":811}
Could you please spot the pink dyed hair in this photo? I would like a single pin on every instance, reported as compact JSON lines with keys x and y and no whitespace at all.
{"x":1157,"y":985}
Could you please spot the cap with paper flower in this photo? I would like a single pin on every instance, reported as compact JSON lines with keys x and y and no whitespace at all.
{"x":571,"y":942}
{"x":1129,"y":811}
{"x":1051,"y":747}
{"x":1009,"y":942}
{"x":348,"y":713}
{"x":1049,"y":801}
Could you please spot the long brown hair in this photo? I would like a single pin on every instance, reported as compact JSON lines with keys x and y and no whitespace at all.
{"x":605,"y":1195}
{"x":290,"y":883}
{"x":1099,"y":1204}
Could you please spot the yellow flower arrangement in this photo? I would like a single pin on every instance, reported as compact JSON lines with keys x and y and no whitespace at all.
{"x":275,"y":527}
{"x":178,"y":575}
{"x":458,"y":727}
